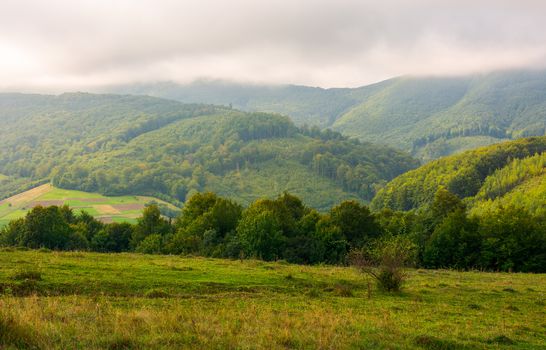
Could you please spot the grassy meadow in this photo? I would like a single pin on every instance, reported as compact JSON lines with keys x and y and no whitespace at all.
{"x":66,"y":300}
{"x":106,"y":209}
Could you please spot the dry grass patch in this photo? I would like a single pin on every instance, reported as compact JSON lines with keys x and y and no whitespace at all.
{"x":131,"y":206}
{"x":28,"y":196}
{"x":106,"y":209}
{"x":47,"y":203}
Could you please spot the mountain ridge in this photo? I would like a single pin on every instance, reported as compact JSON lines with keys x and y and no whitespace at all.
{"x":430,"y":116}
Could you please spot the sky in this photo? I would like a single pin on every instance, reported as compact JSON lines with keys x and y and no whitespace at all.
{"x":67,"y":45}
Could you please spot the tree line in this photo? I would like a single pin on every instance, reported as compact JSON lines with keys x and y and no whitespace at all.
{"x":444,"y":235}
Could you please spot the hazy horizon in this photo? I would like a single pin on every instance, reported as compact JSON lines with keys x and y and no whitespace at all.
{"x":60,"y":46}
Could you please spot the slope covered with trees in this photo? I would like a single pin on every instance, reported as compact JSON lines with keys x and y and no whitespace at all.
{"x":117,"y":145}
{"x":428,"y":116}
{"x":522,"y":183}
{"x":484,"y":177}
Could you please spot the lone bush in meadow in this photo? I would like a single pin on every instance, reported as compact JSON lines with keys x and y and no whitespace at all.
{"x":386,"y":261}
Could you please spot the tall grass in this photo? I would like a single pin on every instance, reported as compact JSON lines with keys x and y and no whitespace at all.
{"x":164,"y":302}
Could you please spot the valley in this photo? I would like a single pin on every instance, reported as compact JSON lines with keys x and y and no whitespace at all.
{"x":136,"y":145}
{"x":291,"y":175}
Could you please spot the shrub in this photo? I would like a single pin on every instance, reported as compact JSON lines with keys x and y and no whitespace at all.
{"x":150,"y":245}
{"x":77,"y":241}
{"x":182,"y":243}
{"x":390,"y":280}
{"x":9,"y":235}
{"x":386,"y":261}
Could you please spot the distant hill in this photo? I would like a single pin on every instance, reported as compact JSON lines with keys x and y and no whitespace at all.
{"x":139,"y":145}
{"x":428,"y":116}
{"x":305,"y":105}
{"x":509,"y":173}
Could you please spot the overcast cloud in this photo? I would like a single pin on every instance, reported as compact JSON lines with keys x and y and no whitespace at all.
{"x":76,"y":44}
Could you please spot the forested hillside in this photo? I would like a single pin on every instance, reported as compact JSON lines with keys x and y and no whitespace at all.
{"x":521,"y":183}
{"x":428,"y":116}
{"x":117,"y":145}
{"x":510,"y":173}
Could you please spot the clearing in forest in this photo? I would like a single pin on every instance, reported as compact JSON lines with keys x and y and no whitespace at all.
{"x":106,"y":209}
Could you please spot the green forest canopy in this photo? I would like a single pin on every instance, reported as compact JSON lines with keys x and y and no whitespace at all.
{"x":428,"y":116}
{"x":507,"y":173}
{"x":118,"y":145}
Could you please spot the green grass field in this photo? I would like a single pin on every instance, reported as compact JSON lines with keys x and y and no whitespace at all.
{"x":67,"y":300}
{"x":106,"y":209}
